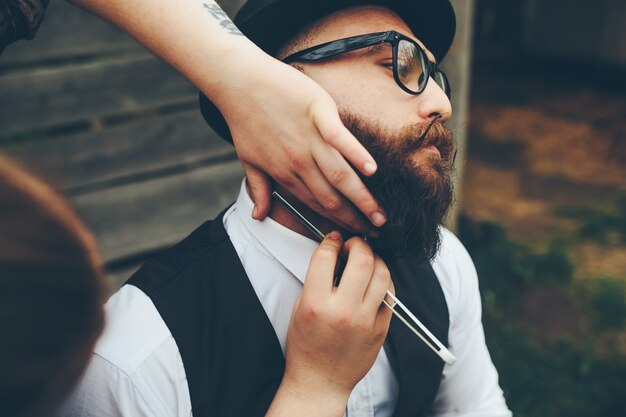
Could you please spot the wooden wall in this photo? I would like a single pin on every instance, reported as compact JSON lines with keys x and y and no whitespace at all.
{"x":117,"y":131}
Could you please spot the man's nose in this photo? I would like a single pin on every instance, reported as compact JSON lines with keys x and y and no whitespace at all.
{"x":433,"y":101}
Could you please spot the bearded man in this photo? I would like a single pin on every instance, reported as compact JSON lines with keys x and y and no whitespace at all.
{"x":242,"y":317}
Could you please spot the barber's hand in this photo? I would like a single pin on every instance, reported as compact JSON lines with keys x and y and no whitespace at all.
{"x":285,"y":126}
{"x":336,"y":333}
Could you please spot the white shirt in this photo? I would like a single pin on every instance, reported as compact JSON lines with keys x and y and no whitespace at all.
{"x":137,"y":371}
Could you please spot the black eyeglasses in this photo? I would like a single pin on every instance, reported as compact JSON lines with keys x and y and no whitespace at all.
{"x":411,"y":67}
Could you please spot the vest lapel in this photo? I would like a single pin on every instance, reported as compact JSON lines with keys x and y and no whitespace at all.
{"x":232,"y":357}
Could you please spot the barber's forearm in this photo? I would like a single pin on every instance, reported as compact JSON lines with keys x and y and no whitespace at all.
{"x":194,"y":36}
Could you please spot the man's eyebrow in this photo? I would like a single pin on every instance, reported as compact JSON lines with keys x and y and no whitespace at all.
{"x":374,"y":49}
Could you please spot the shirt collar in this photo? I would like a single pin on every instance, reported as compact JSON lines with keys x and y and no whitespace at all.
{"x":289,"y":248}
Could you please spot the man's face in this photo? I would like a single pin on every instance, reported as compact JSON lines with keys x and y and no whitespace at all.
{"x":413,"y":181}
{"x":362,"y":81}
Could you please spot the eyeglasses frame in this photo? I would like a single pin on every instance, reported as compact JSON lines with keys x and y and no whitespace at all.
{"x":352,"y":43}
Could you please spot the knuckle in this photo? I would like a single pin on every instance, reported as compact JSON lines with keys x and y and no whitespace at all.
{"x":359,"y":246}
{"x":384,"y":275}
{"x":311,"y":311}
{"x":284,"y":178}
{"x":343,"y":319}
{"x":363,"y":261}
{"x":326,"y":252}
{"x":296,"y":157}
{"x":292,"y":153}
{"x":298,"y":162}
{"x":332,"y":204}
{"x":365,"y":199}
{"x":315,"y":206}
{"x":379,"y":336}
{"x":338,"y":177}
{"x":332,"y":132}
{"x":382,"y":270}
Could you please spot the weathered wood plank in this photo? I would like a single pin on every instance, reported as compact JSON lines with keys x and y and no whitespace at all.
{"x":66,"y":32}
{"x":79,"y":162}
{"x":143,"y":217}
{"x":51,"y":98}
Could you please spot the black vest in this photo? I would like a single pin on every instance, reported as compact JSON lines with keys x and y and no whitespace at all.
{"x":231,"y":355}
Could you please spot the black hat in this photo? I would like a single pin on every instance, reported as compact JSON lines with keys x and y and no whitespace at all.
{"x":270,"y":23}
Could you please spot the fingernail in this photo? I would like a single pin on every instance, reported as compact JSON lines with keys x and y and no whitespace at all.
{"x":379,"y":218}
{"x":255,"y":211}
{"x":334,"y":235}
{"x":369,"y":168}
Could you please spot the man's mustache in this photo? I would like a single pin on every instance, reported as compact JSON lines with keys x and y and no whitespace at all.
{"x":426,"y":134}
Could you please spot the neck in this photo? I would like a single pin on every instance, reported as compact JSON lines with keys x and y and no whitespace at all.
{"x":280,"y":214}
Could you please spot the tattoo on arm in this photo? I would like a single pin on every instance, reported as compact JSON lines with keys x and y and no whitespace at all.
{"x":225,"y":22}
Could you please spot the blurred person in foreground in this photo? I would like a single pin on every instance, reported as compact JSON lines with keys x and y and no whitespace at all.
{"x":285,"y":126}
{"x":202,"y":328}
{"x":50,"y":295}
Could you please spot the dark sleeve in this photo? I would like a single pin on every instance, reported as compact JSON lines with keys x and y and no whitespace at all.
{"x":20,"y":19}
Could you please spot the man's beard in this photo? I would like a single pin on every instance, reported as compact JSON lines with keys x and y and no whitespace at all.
{"x":415,"y":196}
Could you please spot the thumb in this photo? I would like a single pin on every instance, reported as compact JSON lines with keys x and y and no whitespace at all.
{"x":260,"y":190}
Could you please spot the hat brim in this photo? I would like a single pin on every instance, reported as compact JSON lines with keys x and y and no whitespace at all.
{"x":271,"y":23}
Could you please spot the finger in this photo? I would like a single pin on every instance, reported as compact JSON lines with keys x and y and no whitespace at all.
{"x":298,"y":189}
{"x":320,"y":275}
{"x":378,"y":285}
{"x":333,"y":205}
{"x":342,"y":177}
{"x":385,"y":314}
{"x":311,"y":187}
{"x":358,"y":271}
{"x":328,"y":123}
{"x":260,"y":189}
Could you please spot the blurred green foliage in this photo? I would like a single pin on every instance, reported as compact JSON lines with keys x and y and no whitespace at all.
{"x":566,"y":378}
{"x":559,"y":380}
{"x":609,"y":303}
{"x":506,"y":267}
{"x":599,"y":223}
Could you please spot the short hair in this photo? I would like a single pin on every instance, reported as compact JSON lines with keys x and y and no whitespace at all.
{"x":50,"y":295}
{"x":302,"y":39}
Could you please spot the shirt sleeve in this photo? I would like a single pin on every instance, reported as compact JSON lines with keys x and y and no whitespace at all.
{"x":20,"y":19}
{"x":136,"y":369}
{"x":469,"y":388}
{"x":106,"y":391}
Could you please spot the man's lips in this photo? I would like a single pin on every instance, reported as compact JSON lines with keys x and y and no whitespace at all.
{"x":433,"y":149}
{"x":437,"y":139}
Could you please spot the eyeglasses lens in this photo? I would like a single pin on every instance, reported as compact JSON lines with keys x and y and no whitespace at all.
{"x":441,"y":79}
{"x":410,"y":66}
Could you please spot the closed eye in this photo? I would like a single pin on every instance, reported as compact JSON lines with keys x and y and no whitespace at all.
{"x":388,"y":64}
